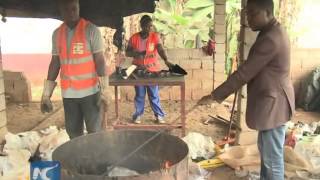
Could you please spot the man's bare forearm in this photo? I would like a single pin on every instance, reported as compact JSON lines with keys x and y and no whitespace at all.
{"x":54,"y":68}
{"x":161,"y":52}
{"x":100,"y":63}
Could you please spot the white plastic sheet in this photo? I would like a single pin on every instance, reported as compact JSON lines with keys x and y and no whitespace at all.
{"x":199,"y":145}
{"x":309,"y":149}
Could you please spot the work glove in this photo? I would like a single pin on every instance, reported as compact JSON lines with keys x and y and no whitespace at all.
{"x":46,"y":104}
{"x":105,"y":93}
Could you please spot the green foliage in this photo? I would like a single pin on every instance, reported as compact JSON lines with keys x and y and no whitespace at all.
{"x":194,"y":4}
{"x":181,"y":23}
{"x":233,"y":8}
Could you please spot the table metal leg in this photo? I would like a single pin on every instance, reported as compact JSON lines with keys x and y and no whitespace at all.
{"x":183,"y":108}
{"x":103,"y":116}
{"x":105,"y":119}
{"x":116,"y":100}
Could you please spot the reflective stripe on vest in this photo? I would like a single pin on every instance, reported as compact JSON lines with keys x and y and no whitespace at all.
{"x":150,"y":61}
{"x":76,"y":62}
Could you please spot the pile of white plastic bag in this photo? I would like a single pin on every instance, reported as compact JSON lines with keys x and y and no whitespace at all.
{"x":20,"y":148}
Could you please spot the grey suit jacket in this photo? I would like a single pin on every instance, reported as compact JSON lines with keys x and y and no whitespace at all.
{"x":270,"y":100}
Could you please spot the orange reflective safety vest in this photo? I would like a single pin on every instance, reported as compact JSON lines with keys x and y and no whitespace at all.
{"x":150,"y":62}
{"x":78,"y":69}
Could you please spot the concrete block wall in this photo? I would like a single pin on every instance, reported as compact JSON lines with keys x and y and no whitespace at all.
{"x":199,"y":81}
{"x":17,"y":87}
{"x":3,"y":116}
{"x":220,"y":39}
{"x":247,"y":37}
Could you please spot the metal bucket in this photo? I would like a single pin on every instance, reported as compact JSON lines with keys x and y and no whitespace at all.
{"x":88,"y":157}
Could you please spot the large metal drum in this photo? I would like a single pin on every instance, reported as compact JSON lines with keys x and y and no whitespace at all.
{"x":88,"y":157}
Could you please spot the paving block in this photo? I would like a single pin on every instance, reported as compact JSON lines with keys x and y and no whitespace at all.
{"x":175,"y":93}
{"x":2,"y":102}
{"x":164,"y":93}
{"x":195,"y":54}
{"x":220,"y":28}
{"x":200,"y":74}
{"x":3,"y":118}
{"x":206,"y":84}
{"x":3,"y":132}
{"x":220,"y":38}
{"x":220,"y":77}
{"x":220,"y":19}
{"x":10,"y":75}
{"x":219,"y":67}
{"x":1,"y":70}
{"x":220,"y":1}
{"x":190,"y":64}
{"x":192,"y":84}
{"x":220,"y":9}
{"x":207,"y":64}
{"x":220,"y":48}
{"x":174,"y":55}
{"x":220,"y":57}
{"x":1,"y":86}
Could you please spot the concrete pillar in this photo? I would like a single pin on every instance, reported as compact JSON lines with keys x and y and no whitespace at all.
{"x":219,"y":75}
{"x":247,"y":38}
{"x":3,"y":116}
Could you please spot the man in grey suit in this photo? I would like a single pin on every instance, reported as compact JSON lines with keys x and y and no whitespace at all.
{"x":270,"y":102}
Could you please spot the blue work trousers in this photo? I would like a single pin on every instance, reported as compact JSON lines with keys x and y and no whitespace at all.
{"x":153,"y":94}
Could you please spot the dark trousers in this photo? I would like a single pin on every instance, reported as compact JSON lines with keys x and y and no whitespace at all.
{"x":78,"y":111}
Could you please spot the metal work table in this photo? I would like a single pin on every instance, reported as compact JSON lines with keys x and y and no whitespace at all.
{"x":115,"y":80}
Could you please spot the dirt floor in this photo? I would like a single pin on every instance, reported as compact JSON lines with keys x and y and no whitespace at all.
{"x":26,"y":117}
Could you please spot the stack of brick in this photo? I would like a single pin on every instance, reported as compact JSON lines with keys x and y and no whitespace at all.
{"x":3,"y":116}
{"x":220,"y":39}
{"x":199,"y":81}
{"x":17,"y":87}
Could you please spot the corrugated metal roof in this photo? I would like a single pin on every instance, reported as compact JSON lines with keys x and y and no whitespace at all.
{"x":100,"y":12}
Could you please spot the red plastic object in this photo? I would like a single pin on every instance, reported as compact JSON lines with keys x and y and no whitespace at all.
{"x":291,"y":140}
{"x":209,"y":49}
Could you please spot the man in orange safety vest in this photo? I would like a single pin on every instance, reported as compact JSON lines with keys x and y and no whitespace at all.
{"x":144,"y":47}
{"x":77,"y":52}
